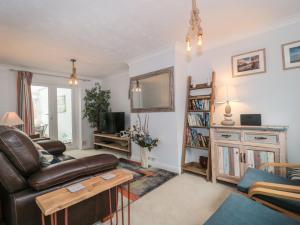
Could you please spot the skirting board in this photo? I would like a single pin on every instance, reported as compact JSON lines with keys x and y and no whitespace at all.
{"x":160,"y":165}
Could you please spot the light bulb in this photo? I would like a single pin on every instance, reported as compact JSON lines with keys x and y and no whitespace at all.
{"x":70,"y":81}
{"x":188,"y":45}
{"x":75,"y":82}
{"x":199,"y":42}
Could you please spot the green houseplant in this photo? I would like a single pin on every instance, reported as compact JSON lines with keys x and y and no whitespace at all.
{"x":96,"y":101}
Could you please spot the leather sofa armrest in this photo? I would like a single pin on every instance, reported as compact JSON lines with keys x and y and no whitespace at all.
{"x":69,"y":170}
{"x":52,"y":146}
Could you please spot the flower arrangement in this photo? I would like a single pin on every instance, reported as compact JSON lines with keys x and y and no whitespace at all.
{"x":140,"y":134}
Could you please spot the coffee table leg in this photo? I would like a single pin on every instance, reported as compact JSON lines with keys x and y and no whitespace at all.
{"x":43,"y":219}
{"x":110,"y":210}
{"x":128,"y":203}
{"x":66,"y":217}
{"x":117,"y":201}
{"x":122,"y":206}
{"x":52,"y":219}
{"x":55,"y":218}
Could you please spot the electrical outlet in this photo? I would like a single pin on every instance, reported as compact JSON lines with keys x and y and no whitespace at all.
{"x":151,"y":158}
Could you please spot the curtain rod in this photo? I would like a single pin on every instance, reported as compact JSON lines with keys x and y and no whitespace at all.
{"x":49,"y":75}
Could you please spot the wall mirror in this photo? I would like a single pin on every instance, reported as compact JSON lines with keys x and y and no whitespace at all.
{"x":153,"y":92}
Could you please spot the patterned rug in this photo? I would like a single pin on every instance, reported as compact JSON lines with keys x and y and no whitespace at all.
{"x":144,"y":180}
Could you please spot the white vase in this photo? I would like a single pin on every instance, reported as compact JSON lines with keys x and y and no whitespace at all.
{"x":144,"y":157}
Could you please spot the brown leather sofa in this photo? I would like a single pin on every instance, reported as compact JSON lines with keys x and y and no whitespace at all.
{"x":22,"y":179}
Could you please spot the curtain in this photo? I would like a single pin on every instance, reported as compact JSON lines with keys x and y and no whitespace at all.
{"x":25,"y":105}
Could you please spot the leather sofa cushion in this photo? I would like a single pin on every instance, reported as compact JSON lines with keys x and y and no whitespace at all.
{"x":10,"y":178}
{"x":19,"y":149}
{"x":70,"y":170}
{"x":52,"y":146}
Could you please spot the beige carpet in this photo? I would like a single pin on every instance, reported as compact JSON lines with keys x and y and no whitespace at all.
{"x":184,"y":200}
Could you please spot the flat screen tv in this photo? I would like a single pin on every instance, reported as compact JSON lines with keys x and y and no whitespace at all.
{"x":111,"y":122}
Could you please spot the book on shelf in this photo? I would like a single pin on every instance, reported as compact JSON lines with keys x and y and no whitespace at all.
{"x":199,"y":119}
{"x":199,"y":104}
{"x":196,"y":139}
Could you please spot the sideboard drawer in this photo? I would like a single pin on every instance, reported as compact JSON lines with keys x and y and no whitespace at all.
{"x":228,"y":136}
{"x":262,"y":138}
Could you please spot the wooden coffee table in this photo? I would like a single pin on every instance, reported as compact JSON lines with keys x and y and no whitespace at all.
{"x":62,"y":199}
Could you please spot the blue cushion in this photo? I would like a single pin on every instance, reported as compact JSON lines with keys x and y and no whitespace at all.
{"x":239,"y":210}
{"x":254,"y":175}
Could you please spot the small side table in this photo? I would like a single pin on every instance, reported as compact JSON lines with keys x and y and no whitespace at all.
{"x":62,"y":199}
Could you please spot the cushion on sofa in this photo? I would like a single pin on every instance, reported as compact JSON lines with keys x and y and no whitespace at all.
{"x":254,"y":175}
{"x":70,"y":170}
{"x":239,"y":210}
{"x":19,"y":149}
{"x":54,"y":147}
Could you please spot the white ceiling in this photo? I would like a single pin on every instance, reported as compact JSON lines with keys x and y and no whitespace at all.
{"x":104,"y":34}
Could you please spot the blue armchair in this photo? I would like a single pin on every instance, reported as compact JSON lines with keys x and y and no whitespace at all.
{"x":279,"y":193}
{"x":239,"y":210}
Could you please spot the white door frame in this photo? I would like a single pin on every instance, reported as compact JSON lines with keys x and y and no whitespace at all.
{"x":52,"y":106}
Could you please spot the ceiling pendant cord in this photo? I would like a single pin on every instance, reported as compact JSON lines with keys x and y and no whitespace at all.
{"x":73,"y":77}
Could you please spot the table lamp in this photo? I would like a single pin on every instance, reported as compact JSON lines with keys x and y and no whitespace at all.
{"x":228,"y":115}
{"x":11,"y":119}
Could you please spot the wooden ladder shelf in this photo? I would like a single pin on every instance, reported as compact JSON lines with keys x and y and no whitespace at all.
{"x":198,"y":116}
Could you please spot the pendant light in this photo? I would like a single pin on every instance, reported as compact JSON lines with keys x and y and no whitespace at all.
{"x":73,"y":77}
{"x":195,"y":31}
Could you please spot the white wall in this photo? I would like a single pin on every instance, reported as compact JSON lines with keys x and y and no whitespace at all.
{"x":8,"y":94}
{"x":119,"y":101}
{"x":274,"y":94}
{"x":163,"y":125}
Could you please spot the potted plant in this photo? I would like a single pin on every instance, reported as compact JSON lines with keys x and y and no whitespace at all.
{"x":96,"y":101}
{"x":140,"y":135}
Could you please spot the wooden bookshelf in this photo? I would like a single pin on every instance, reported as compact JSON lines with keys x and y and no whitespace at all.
{"x":113,"y":142}
{"x":201,"y":111}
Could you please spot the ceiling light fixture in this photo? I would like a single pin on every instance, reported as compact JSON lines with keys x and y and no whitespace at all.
{"x":73,"y":77}
{"x":195,"y":30}
{"x":137,"y":87}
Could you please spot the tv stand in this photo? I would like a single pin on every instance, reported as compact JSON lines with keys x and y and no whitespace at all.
{"x":112,"y":141}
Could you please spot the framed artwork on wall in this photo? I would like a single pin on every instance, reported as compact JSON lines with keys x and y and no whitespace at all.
{"x":291,"y":55}
{"x":249,"y":63}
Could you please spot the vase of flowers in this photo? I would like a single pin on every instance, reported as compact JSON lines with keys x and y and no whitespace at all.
{"x":140,"y":135}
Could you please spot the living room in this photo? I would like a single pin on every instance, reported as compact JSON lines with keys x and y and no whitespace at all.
{"x":192,"y":103}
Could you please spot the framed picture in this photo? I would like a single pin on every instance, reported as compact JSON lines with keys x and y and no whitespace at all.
{"x":291,"y":55}
{"x":61,"y":104}
{"x":249,"y":63}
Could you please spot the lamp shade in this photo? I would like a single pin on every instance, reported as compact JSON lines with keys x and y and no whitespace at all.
{"x":11,"y":119}
{"x":227,"y":94}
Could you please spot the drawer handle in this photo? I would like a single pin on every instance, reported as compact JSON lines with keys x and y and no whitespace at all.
{"x":226,"y":135}
{"x":260,"y":138}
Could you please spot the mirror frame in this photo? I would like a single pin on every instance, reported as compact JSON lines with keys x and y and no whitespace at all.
{"x":171,"y":107}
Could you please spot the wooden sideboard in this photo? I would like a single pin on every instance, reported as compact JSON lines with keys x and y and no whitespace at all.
{"x":236,"y":148}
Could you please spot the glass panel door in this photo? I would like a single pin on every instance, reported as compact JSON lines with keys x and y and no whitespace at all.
{"x":64,"y":115}
{"x":40,"y":97}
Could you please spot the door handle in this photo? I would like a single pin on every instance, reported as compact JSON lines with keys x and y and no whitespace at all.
{"x":226,"y":135}
{"x":241,"y":157}
{"x":260,"y":138}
